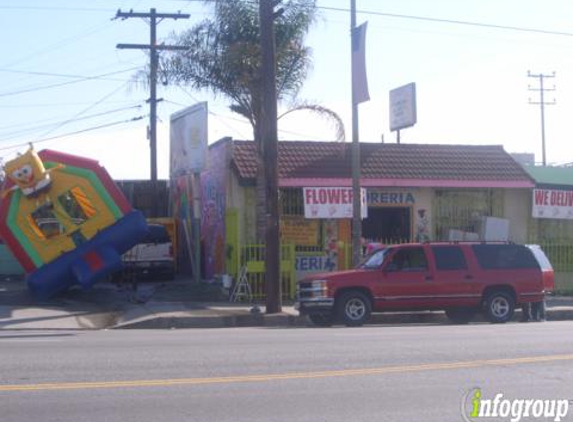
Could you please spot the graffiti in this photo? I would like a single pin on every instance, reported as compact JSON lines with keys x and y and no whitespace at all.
{"x":213,"y":190}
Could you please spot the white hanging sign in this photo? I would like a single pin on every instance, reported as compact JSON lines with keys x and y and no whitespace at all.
{"x":332,"y":202}
{"x":550,"y":203}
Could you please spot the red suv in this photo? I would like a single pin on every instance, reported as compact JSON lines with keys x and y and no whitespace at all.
{"x":462,"y":278}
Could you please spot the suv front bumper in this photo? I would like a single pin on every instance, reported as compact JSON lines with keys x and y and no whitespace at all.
{"x":314,"y":305}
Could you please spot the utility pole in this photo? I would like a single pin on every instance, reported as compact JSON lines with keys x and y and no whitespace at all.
{"x":154,"y":19}
{"x":542,"y":103}
{"x":355,"y":157}
{"x":269,"y":139}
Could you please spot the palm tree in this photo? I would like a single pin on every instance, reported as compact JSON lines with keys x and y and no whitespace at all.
{"x":224,"y":56}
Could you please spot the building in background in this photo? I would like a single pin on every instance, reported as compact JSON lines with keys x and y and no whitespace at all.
{"x":413,"y":193}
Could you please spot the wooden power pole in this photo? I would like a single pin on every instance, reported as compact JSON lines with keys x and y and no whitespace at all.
{"x":154,"y":19}
{"x":269,"y":139}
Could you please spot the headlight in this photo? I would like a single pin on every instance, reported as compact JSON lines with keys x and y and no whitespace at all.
{"x":309,"y":290}
{"x":319,"y":287}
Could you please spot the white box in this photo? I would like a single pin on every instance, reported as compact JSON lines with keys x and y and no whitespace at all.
{"x":470,"y":236}
{"x":493,"y":229}
{"x":455,"y":234}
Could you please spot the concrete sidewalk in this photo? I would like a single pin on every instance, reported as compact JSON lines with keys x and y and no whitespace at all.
{"x":170,"y":305}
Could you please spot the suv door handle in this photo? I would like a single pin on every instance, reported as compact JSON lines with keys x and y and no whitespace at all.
{"x":428,"y":278}
{"x":468,"y":277}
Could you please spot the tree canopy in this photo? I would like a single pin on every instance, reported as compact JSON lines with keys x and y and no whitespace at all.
{"x":224,"y":54}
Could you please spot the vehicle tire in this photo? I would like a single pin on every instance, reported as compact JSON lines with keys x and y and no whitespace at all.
{"x":321,"y":320}
{"x":499,"y":307}
{"x":460,"y":316}
{"x":353,"y":308}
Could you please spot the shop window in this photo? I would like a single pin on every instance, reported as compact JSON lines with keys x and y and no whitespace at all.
{"x":76,"y":205}
{"x":291,"y":201}
{"x":462,"y":209}
{"x":388,"y":225}
{"x":45,"y":223}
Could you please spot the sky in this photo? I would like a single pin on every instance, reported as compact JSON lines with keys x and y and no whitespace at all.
{"x":65,"y":85}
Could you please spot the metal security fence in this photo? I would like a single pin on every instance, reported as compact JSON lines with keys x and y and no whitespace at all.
{"x":253,"y":258}
{"x":461,"y":209}
{"x":560,"y":255}
{"x":291,"y":201}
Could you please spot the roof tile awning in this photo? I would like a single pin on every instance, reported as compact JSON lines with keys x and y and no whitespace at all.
{"x":306,"y":163}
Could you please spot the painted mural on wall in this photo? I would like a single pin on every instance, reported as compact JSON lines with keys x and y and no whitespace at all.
{"x":213,"y":200}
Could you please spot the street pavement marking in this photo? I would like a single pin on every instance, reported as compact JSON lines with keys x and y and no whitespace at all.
{"x":286,"y":376}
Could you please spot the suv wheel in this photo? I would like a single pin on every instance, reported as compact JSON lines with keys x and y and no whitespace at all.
{"x":353,"y":308}
{"x":321,"y":320}
{"x":499,"y":307}
{"x":460,"y":316}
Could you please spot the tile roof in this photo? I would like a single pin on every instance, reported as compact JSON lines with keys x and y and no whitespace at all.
{"x":314,"y":160}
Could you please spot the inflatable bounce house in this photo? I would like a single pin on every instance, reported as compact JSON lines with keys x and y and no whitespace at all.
{"x":65,"y":220}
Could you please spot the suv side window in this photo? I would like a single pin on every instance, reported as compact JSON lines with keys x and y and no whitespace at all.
{"x":493,"y":257}
{"x":541,"y":257}
{"x":409,"y":259}
{"x":449,"y":258}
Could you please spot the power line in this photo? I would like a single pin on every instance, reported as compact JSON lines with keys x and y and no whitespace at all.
{"x":74,"y":133}
{"x":65,"y":104}
{"x":452,"y":21}
{"x":105,"y":97}
{"x":56,"y":8}
{"x":34,"y":128}
{"x":61,"y":43}
{"x":57,"y":75}
{"x":44,"y":87}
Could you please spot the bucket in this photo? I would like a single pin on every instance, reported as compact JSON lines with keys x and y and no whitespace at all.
{"x":227,"y":281}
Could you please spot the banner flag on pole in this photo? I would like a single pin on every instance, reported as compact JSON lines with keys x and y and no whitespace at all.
{"x":359,"y":79}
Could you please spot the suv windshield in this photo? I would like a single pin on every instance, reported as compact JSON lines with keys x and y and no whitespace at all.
{"x":375,"y":259}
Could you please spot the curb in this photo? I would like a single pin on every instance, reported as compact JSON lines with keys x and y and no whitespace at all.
{"x":226,"y":321}
{"x":284,"y":320}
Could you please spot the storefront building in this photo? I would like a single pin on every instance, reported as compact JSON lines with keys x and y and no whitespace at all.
{"x":412,"y":193}
{"x":551,"y":219}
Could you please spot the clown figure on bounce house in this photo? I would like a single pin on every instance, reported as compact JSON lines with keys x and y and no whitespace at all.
{"x":65,"y":220}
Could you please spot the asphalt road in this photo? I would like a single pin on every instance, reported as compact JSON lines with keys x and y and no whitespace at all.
{"x":374,"y":373}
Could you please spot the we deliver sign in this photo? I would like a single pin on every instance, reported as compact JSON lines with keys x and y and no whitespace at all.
{"x":550,"y":203}
{"x":332,"y":202}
